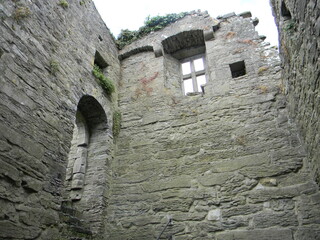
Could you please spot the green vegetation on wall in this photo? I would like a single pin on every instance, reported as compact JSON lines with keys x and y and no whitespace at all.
{"x":105,"y":82}
{"x":116,"y":123}
{"x":21,"y":12}
{"x":151,"y":24}
{"x":290,"y":26}
{"x":63,"y":3}
{"x":54,"y":66}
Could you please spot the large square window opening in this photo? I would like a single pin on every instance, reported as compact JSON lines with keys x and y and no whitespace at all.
{"x":193,"y":74}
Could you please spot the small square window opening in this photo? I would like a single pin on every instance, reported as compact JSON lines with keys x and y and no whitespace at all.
{"x":238,"y":69}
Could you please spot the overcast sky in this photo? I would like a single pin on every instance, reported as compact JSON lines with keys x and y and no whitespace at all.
{"x":130,"y":14}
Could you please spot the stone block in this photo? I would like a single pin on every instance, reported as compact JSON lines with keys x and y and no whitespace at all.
{"x":79,"y":166}
{"x":308,"y":233}
{"x":268,"y":193}
{"x":255,"y":21}
{"x":270,"y":218}
{"x":208,"y":35}
{"x":241,"y":162}
{"x":241,"y":210}
{"x":18,"y":95}
{"x":77,"y":181}
{"x":31,"y":184}
{"x":211,"y":179}
{"x":264,"y":234}
{"x":175,"y":182}
{"x":31,"y":146}
{"x":75,"y":195}
{"x":226,"y":16}
{"x":50,"y":233}
{"x":10,"y":230}
{"x":246,"y":14}
{"x":10,"y":192}
{"x":308,"y":208}
{"x":214,"y":215}
{"x":158,"y":50}
{"x":194,"y":216}
{"x":174,"y":204}
{"x":269,"y":182}
{"x":10,"y":172}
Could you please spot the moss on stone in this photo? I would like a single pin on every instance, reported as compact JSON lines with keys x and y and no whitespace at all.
{"x":262,"y":69}
{"x":116,"y":123}
{"x":290,"y":26}
{"x":54,"y":66}
{"x":63,"y":3}
{"x":21,"y":13}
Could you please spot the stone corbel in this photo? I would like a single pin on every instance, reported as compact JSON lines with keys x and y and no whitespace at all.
{"x":158,"y":52}
{"x":209,"y":34}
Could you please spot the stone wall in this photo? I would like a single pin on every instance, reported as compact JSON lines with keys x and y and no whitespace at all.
{"x":46,"y":55}
{"x":299,"y":26}
{"x":226,"y":164}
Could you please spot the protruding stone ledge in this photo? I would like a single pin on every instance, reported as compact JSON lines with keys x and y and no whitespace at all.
{"x":226,"y":16}
{"x":135,"y":51}
{"x":216,"y":26}
{"x":208,"y":35}
{"x":262,"y":37}
{"x":246,"y":14}
{"x":255,"y":21}
{"x":158,"y":51}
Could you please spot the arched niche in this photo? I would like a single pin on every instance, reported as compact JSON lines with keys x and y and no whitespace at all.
{"x":87,"y":179}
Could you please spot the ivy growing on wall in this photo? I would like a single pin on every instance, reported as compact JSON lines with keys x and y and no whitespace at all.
{"x":105,"y":82}
{"x":151,"y":24}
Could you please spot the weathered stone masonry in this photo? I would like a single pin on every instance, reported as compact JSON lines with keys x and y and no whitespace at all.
{"x":224,"y":165}
{"x":236,"y":161}
{"x":46,"y":63}
{"x":300,"y":59}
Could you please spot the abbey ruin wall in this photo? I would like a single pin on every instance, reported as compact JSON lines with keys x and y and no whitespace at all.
{"x":299,"y":25}
{"x":47,"y":53}
{"x":218,"y":140}
{"x":223,"y":164}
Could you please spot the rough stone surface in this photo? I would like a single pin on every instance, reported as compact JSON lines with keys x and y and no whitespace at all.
{"x":226,"y":160}
{"x":237,"y":161}
{"x":45,"y":69}
{"x":299,"y":26}
{"x":257,"y":234}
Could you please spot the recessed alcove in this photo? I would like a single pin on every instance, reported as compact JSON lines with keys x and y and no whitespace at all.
{"x":99,"y":61}
{"x":86,"y":182}
{"x":285,"y":13}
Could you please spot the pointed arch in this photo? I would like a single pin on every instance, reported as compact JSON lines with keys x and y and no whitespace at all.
{"x":86,"y":180}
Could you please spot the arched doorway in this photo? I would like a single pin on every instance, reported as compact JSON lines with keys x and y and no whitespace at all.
{"x":87,"y":179}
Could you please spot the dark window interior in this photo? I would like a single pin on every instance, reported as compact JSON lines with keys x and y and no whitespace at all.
{"x":99,"y":61}
{"x":238,"y":69}
{"x":285,"y":11}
